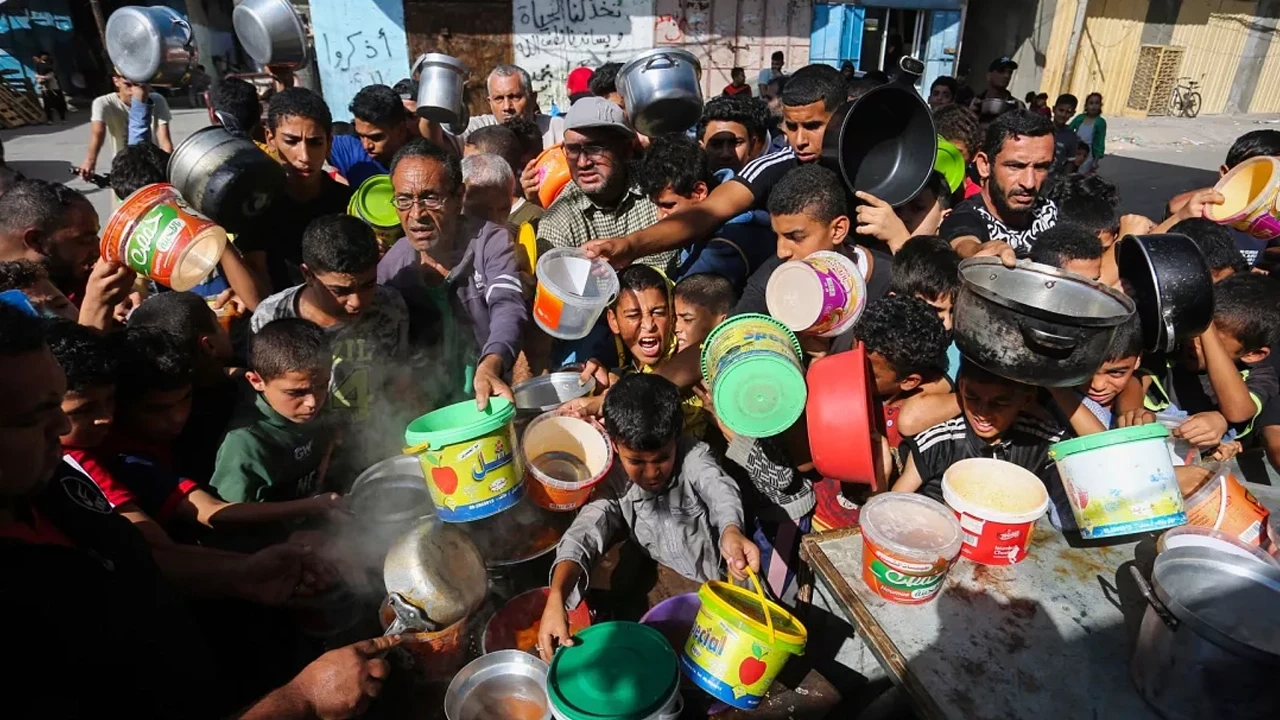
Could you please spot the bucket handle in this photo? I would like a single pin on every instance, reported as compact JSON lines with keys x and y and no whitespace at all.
{"x":1162,"y":612}
{"x":764,"y":603}
{"x":415,"y":449}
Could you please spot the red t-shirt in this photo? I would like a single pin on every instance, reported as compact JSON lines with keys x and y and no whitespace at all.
{"x":130,"y":479}
{"x":744,"y":91}
{"x":38,"y":532}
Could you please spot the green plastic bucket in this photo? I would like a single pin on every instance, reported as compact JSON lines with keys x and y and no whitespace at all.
{"x":616,"y":671}
{"x":752,"y":364}
{"x":469,"y":458}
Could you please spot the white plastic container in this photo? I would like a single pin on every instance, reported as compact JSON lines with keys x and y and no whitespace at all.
{"x":572,"y":292}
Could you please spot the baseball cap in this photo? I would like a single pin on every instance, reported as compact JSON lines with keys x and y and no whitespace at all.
{"x":578,"y":81}
{"x":1002,"y":62}
{"x":595,"y":112}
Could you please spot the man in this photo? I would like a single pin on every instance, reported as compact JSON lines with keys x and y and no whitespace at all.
{"x":56,"y":524}
{"x":1065,"y":140}
{"x":737,"y":84}
{"x":511,"y":95}
{"x":602,"y":200}
{"x":382,"y":127}
{"x":50,"y":90}
{"x":999,"y":74}
{"x":732,"y":132}
{"x":773,"y":71}
{"x":604,"y":83}
{"x":1015,"y":158}
{"x":502,"y":141}
{"x":299,"y":131}
{"x":109,"y":114}
{"x":489,"y":185}
{"x":51,"y":223}
{"x":452,"y":267}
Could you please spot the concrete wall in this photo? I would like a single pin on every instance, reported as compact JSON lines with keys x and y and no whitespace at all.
{"x":1018,"y":28}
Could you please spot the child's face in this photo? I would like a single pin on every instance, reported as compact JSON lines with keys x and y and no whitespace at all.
{"x":992,"y":408}
{"x":693,"y":323}
{"x":738,"y":77}
{"x":1091,"y":269}
{"x":1110,"y":379}
{"x":1093,"y":106}
{"x":922,"y":214}
{"x":157,"y":415}
{"x":941,"y":305}
{"x":802,"y":235}
{"x":650,"y":470}
{"x":296,"y":395}
{"x":342,"y":296}
{"x":643,"y":321}
{"x":90,"y":412}
{"x":669,"y":201}
{"x":1062,"y":113}
{"x":1193,"y":350}
{"x":886,"y":378}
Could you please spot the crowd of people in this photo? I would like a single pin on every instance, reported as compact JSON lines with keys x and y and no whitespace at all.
{"x":170,"y":462}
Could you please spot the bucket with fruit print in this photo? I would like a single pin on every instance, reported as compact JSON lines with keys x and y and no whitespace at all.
{"x":740,"y":641}
{"x":470,"y":458}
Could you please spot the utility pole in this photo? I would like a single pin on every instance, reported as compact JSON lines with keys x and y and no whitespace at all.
{"x":102,"y":23}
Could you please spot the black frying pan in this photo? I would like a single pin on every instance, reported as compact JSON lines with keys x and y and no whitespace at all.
{"x":883,"y":143}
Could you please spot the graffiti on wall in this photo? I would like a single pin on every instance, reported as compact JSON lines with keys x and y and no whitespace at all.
{"x":552,"y":37}
{"x":358,"y":43}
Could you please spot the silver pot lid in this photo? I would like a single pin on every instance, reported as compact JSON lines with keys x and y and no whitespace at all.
{"x":1047,"y":293}
{"x":1232,"y":601}
{"x":549,"y":392}
{"x":135,"y":43}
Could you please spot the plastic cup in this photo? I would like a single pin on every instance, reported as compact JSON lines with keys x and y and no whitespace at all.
{"x":572,"y":292}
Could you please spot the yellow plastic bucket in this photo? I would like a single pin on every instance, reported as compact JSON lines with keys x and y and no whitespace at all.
{"x":739,"y":643}
{"x":470,"y":459}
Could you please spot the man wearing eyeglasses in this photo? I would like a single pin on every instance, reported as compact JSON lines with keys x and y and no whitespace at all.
{"x":459,"y":277}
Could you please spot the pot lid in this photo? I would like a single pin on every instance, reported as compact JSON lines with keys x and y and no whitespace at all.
{"x":1118,"y":436}
{"x":1227,"y":599}
{"x":617,"y":670}
{"x":1047,"y":293}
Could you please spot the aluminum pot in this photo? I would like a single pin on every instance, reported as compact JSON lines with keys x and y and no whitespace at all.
{"x":1209,"y":644}
{"x":437,"y":569}
{"x":271,"y":32}
{"x":548,"y":392}
{"x":153,"y":45}
{"x":661,"y":92}
{"x":503,"y":684}
{"x":1170,"y":282}
{"x":1034,"y":323}
{"x":388,"y":499}
{"x":226,"y":177}
{"x":883,"y":143}
{"x":441,"y":88}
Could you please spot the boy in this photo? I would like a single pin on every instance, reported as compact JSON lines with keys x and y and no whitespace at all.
{"x":136,"y":166}
{"x":1065,"y":140}
{"x":703,"y":301}
{"x":927,"y":268}
{"x":921,"y":215}
{"x":640,"y":318}
{"x":1115,"y":374}
{"x":31,"y":277}
{"x":276,"y":445}
{"x":733,"y":132}
{"x":665,"y":493}
{"x":737,"y":86}
{"x":1069,"y":248}
{"x":1215,"y":244}
{"x":368,"y":325}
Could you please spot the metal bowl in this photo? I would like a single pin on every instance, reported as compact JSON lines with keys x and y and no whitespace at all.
{"x":548,"y":392}
{"x":271,"y":32}
{"x":503,"y":684}
{"x":392,"y":491}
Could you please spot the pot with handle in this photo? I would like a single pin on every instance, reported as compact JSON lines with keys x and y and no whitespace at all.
{"x":660,"y":90}
{"x":1209,"y":644}
{"x":1171,"y":285}
{"x":271,"y":32}
{"x":226,"y":177}
{"x":152,"y":45}
{"x":1035,"y":324}
{"x":883,"y":143}
{"x":441,"y":89}
{"x":438,"y":569}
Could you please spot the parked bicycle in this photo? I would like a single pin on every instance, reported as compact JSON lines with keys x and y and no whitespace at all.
{"x":1185,"y":99}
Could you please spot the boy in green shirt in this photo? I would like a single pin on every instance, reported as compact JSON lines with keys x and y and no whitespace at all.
{"x":276,"y":447}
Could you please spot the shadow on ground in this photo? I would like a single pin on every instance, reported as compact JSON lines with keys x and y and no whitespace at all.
{"x":1146,"y":186}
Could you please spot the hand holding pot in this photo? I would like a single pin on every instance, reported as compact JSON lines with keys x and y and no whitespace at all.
{"x":341,"y":683}
{"x":877,"y":219}
{"x":1202,"y":429}
{"x":530,"y":181}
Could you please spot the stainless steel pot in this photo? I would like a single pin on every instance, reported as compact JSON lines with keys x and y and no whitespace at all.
{"x":441,"y":95}
{"x":661,"y":92}
{"x":271,"y":32}
{"x":1209,"y":645}
{"x":1169,"y":281}
{"x":507,"y":683}
{"x":1034,"y":323}
{"x":437,"y":569}
{"x":153,"y":45}
{"x":226,"y":177}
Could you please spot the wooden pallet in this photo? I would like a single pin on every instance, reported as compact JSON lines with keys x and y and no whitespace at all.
{"x":17,"y":109}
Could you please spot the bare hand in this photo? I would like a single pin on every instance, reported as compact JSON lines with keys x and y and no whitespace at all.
{"x":274,"y":574}
{"x":530,"y":182}
{"x":229,"y":298}
{"x":489,"y":383}
{"x":340,"y":683}
{"x":997,"y":248}
{"x":125,"y":307}
{"x":86,"y":169}
{"x":709,"y":407}
{"x":814,"y":347}
{"x":594,"y":369}
{"x":1198,"y":205}
{"x":586,"y":408}
{"x":615,"y":251}
{"x":1131,"y":418}
{"x":110,"y":282}
{"x":739,"y":553}
{"x":553,"y":630}
{"x":1202,"y":429}
{"x":1227,"y":450}
{"x":1134,"y":224}
{"x":877,"y":219}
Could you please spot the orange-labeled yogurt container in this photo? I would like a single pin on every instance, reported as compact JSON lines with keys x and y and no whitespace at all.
{"x":909,"y":542}
{"x":160,"y":236}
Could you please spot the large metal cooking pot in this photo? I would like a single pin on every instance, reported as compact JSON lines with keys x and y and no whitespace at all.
{"x":388,"y":499}
{"x":441,"y":88}
{"x":1034,"y":323}
{"x":1170,"y":282}
{"x":271,"y":32}
{"x":226,"y":177}
{"x":510,"y":680}
{"x":660,"y":91}
{"x":1209,"y":646}
{"x":437,"y":569}
{"x":153,"y":45}
{"x":883,"y":143}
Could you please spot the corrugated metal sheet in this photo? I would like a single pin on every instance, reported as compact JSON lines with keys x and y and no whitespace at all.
{"x":1266,"y":97}
{"x":1055,"y":54}
{"x":723,"y":34}
{"x":1213,"y":33}
{"x":1108,"y":52}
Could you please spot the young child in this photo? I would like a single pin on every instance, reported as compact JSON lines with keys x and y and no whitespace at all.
{"x":665,"y":493}
{"x":1115,"y":375}
{"x":737,"y":86}
{"x":922,"y":215}
{"x":640,"y":318}
{"x":703,"y":301}
{"x":1069,"y":248}
{"x":1215,"y":244}
{"x":1065,"y":140}
{"x":276,"y":445}
{"x":927,"y":268}
{"x":1092,"y":129}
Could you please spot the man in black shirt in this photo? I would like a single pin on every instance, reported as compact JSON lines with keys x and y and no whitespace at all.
{"x":999,"y":75}
{"x":299,"y":130}
{"x":1013,"y":163}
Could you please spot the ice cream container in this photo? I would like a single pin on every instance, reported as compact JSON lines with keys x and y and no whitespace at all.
{"x":160,"y":236}
{"x":823,"y":294}
{"x":1250,"y":192}
{"x":909,"y":542}
{"x":1120,"y":482}
{"x":997,"y":504}
{"x":752,"y":364}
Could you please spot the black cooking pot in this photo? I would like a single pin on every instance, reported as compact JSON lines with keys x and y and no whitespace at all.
{"x":226,"y":177}
{"x":1170,"y":282}
{"x":1034,"y":323}
{"x":883,"y":143}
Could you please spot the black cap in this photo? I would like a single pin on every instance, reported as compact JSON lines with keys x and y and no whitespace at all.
{"x":1001,"y":63}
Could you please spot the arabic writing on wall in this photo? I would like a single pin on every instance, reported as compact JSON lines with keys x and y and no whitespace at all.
{"x":552,"y":37}
{"x":358,"y":43}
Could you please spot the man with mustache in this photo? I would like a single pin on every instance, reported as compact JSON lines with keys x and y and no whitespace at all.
{"x":511,"y":95}
{"x":459,"y":277}
{"x":299,"y":130}
{"x":1015,"y":158}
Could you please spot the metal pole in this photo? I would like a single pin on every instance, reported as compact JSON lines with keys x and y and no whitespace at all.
{"x":102,"y":23}
{"x":1073,"y":47}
